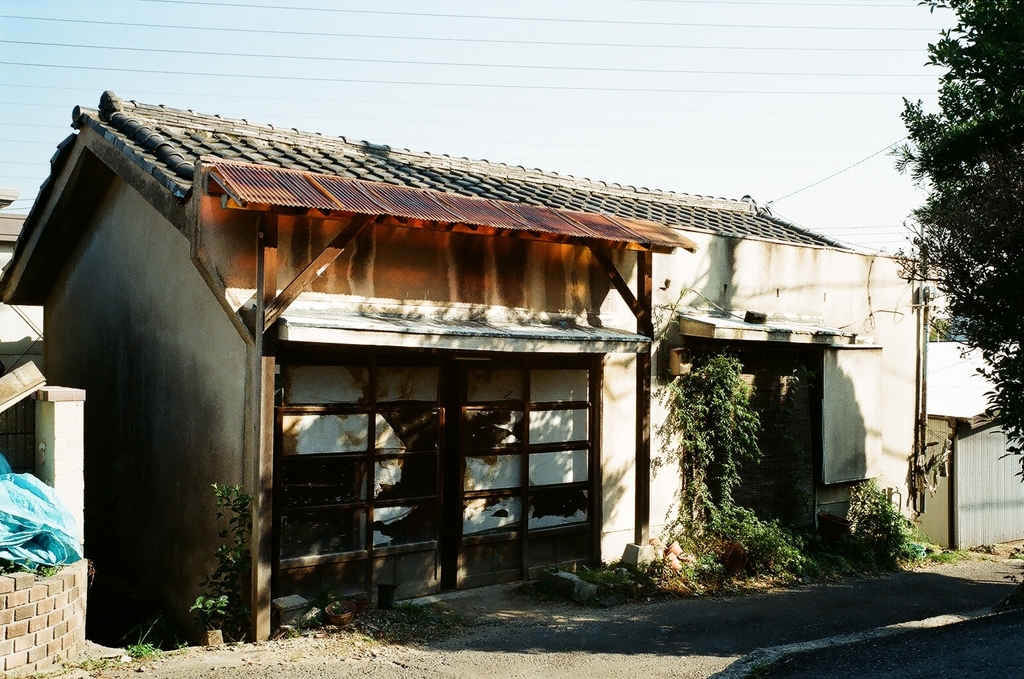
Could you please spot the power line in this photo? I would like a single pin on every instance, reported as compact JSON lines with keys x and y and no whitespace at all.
{"x":461,"y":64}
{"x":496,"y":17}
{"x":512,"y":86}
{"x":836,"y":174}
{"x":492,"y":41}
{"x":447,"y":104}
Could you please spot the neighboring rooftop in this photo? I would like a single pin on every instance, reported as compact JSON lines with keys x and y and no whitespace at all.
{"x":956,"y":387}
{"x":166,"y":142}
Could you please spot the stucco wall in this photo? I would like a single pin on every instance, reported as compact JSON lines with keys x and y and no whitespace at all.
{"x":133,"y":324}
{"x":19,"y":341}
{"x":860,"y":293}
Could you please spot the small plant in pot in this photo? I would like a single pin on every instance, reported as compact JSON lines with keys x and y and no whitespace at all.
{"x":211,"y":611}
{"x":340,"y":613}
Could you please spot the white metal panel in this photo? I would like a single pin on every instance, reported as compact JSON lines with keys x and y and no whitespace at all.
{"x":851,"y":414}
{"x":989,"y":492}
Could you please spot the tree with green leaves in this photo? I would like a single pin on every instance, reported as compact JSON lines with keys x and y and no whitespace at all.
{"x":969,"y":156}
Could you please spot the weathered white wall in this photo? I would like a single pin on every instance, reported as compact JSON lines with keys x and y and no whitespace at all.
{"x":618,"y":459}
{"x":860,"y":293}
{"x":60,"y":461}
{"x":131,"y":322}
{"x":19,"y":341}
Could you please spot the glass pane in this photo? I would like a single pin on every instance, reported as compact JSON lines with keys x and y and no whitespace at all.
{"x":493,"y":428}
{"x":312,"y":481}
{"x":404,"y":430}
{"x":408,"y":476}
{"x":482,"y":515}
{"x":404,"y":525}
{"x":322,"y":532}
{"x":493,"y":471}
{"x":407,"y":384}
{"x":319,"y":384}
{"x":313,"y":434}
{"x":567,"y":466}
{"x":494,"y":385}
{"x":558,"y":426}
{"x":557,"y":508}
{"x":559,"y":385}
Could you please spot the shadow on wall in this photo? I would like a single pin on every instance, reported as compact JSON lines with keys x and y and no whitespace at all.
{"x":851,"y":393}
{"x":720,"y":286}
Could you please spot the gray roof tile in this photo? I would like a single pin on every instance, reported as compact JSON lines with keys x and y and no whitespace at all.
{"x":166,"y":142}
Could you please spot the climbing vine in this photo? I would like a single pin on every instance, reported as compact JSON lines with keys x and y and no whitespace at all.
{"x":226,"y":605}
{"x":710,"y":429}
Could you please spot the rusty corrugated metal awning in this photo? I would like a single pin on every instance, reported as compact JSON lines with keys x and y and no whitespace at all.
{"x":249,"y":185}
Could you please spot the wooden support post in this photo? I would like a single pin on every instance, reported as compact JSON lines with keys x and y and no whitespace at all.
{"x":643,"y":316}
{"x":644,"y":326}
{"x":279,"y":304}
{"x":262,"y":408}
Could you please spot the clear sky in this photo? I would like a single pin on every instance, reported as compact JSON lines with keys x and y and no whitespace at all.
{"x":717,"y":97}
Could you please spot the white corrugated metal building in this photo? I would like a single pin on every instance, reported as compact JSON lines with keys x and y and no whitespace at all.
{"x":977,"y":494}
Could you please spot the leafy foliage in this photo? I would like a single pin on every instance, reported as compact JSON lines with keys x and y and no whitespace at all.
{"x":226,"y":606}
{"x":970,"y":156}
{"x":878,"y":525}
{"x":710,"y":429}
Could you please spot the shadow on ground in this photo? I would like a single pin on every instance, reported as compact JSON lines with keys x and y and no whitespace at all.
{"x":726,"y":626}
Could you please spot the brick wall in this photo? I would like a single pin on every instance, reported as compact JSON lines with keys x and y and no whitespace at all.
{"x":42,"y":620}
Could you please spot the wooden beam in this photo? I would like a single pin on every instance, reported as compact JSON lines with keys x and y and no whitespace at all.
{"x":642,"y":316}
{"x":645,"y":294}
{"x":305,"y":278}
{"x":644,"y":326}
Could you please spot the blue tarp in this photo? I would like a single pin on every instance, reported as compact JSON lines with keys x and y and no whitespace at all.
{"x":35,"y":526}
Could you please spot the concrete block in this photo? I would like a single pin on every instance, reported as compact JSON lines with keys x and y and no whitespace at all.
{"x":569,"y":584}
{"x":15,"y":660}
{"x":44,"y":606}
{"x":6,"y":584}
{"x":38,"y":592}
{"x":44,"y":636}
{"x":19,"y":598}
{"x":17,"y":629}
{"x":6,"y":617}
{"x":37,"y":623}
{"x":288,"y":609}
{"x":36,"y":654}
{"x":24,"y":643}
{"x":634,"y":555}
{"x":24,"y":581}
{"x":24,"y":612}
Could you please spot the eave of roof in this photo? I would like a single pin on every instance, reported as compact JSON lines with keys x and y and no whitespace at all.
{"x":167,"y":142}
{"x":269,"y":187}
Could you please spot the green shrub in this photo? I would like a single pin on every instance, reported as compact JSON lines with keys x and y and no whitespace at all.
{"x":770,"y":549}
{"x":226,"y":604}
{"x":880,"y":529}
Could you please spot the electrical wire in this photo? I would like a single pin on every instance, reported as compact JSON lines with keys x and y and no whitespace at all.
{"x":546,"y":20}
{"x":836,"y":174}
{"x":462,"y":64}
{"x":475,"y":85}
{"x":435,"y":38}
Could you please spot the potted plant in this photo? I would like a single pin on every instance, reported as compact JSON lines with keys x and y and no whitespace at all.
{"x":210,"y":611}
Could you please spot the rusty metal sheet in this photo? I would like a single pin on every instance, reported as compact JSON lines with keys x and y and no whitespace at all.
{"x":251,"y":183}
{"x":258,"y":184}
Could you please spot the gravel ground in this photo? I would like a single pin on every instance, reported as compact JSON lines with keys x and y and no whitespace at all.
{"x":510,"y":634}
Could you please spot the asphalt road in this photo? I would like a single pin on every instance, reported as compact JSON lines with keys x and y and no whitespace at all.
{"x":512,"y":637}
{"x":983,"y":648}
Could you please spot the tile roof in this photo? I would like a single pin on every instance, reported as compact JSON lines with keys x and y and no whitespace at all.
{"x":166,"y":143}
